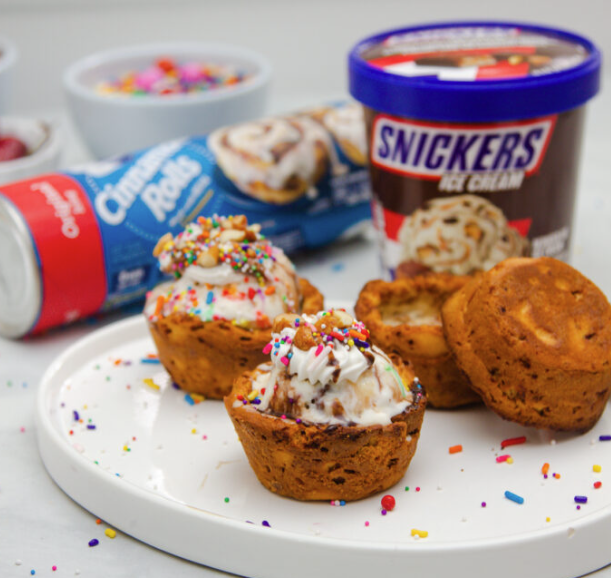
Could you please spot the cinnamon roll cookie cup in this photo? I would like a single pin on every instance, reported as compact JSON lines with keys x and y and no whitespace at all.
{"x":404,"y":317}
{"x":211,"y":323}
{"x":534,"y":338}
{"x":329,"y":416}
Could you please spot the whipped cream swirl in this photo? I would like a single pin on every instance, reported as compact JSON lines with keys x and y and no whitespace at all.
{"x":224,"y":270}
{"x":324,"y":370}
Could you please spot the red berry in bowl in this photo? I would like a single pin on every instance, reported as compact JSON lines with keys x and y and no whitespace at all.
{"x":11,"y":148}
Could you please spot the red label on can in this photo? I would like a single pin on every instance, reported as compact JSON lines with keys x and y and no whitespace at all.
{"x":68,"y":244}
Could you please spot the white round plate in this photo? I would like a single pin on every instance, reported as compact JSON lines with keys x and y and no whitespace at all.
{"x":174,"y":475}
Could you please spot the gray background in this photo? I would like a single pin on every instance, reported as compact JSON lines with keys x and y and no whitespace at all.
{"x":306,"y":40}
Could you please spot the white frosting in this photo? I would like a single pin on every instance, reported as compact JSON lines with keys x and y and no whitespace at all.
{"x":249,"y":156}
{"x":368,"y":392}
{"x":236,"y":308}
{"x":221,"y":291}
{"x":459,"y":235}
{"x":272,"y":151}
{"x":347,"y":123}
{"x":222,"y":274}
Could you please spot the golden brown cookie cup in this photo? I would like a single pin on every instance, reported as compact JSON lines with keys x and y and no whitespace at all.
{"x":534,"y":337}
{"x":205,"y":357}
{"x":309,"y":462}
{"x":424,"y":345}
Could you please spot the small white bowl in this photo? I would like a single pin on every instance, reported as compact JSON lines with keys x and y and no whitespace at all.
{"x":8,"y":57}
{"x":112,"y":125}
{"x":42,"y":141}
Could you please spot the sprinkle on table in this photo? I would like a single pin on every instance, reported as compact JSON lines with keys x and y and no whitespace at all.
{"x":597,"y":485}
{"x":605,"y":438}
{"x":581,"y":499}
{"x":110,"y":533}
{"x":504,"y":458}
{"x":388,"y":502}
{"x":148,"y":381}
{"x":596,"y":468}
{"x":419,"y":533}
{"x":455,"y":449}
{"x":513,"y":442}
{"x":545,"y":468}
{"x":93,"y":542}
{"x":514,"y":497}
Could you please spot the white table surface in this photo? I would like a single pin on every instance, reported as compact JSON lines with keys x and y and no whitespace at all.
{"x":41,"y":527}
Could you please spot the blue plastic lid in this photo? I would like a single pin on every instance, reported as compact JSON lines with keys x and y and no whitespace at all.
{"x":474,"y":71}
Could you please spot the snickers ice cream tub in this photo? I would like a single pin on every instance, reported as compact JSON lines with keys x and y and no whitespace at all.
{"x":474,"y":131}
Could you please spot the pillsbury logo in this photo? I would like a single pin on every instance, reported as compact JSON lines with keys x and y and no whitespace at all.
{"x":461,"y":155}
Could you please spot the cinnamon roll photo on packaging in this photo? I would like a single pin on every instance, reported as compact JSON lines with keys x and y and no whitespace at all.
{"x":282,"y":159}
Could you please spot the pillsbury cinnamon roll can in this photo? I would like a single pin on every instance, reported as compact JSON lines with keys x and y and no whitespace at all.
{"x":80,"y":242}
{"x":474,"y":131}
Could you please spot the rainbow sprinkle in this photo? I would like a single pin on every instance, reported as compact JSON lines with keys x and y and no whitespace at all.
{"x":148,"y":381}
{"x":514,"y":497}
{"x":166,"y":77}
{"x":398,"y":379}
{"x":513,"y":442}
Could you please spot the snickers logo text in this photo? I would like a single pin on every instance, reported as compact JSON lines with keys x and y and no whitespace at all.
{"x":462,"y":157}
